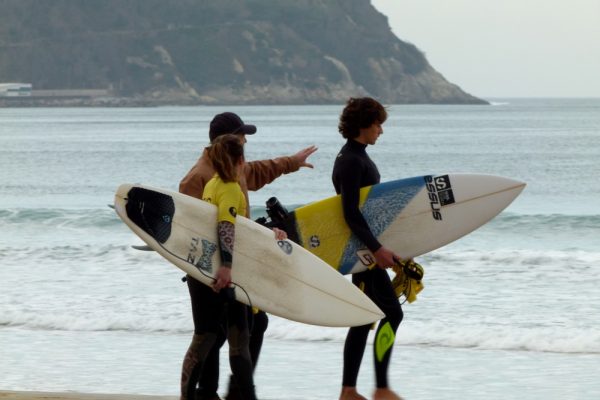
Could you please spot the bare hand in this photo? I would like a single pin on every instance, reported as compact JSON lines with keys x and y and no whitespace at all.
{"x":303,"y":154}
{"x":279,"y":234}
{"x":385,"y":258}
{"x":222,"y":279}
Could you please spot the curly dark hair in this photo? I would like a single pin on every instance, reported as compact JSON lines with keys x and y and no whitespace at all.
{"x":360,"y":113}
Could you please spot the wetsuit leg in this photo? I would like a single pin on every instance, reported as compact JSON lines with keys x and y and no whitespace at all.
{"x":209,"y":377}
{"x":193,"y":362}
{"x":383,"y":295}
{"x":356,"y":341}
{"x":377,"y":286}
{"x":238,"y":337}
{"x":354,"y":348}
{"x":258,"y":325}
{"x":257,"y":334}
{"x":207,"y":311}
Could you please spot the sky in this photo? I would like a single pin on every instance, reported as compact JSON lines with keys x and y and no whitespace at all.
{"x":505,"y":48}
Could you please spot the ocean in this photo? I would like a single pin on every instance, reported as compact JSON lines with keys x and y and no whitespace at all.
{"x":511,"y":311}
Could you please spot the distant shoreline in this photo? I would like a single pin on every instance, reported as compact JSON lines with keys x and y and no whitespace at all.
{"x":116,"y":102}
{"x":132,"y":102}
{"x":32,"y":102}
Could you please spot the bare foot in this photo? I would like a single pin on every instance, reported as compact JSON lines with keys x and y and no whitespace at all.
{"x":350,"y":393}
{"x":385,"y":394}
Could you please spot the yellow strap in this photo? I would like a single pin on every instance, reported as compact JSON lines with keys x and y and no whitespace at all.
{"x":403,"y":285}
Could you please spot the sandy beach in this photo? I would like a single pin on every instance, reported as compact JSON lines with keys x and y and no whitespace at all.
{"x":10,"y":395}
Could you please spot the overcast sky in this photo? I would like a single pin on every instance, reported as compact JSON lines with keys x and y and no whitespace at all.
{"x":506,"y":48}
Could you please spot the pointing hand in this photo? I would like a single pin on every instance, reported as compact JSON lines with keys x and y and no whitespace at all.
{"x":303,"y":154}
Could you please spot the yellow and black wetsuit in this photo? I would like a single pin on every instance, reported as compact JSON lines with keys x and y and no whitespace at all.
{"x":256,"y":175}
{"x":230,"y":200}
{"x":352,"y":170}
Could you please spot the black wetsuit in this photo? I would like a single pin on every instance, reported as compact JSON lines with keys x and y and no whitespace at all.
{"x":202,"y":297}
{"x":352,"y":170}
{"x":208,"y":327}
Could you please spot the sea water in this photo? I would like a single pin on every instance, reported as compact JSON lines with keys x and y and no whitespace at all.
{"x":511,"y":311}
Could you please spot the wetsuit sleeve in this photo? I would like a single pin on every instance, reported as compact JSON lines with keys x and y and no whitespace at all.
{"x":226,"y":233}
{"x":229,"y":201}
{"x":262,"y":172}
{"x":349,"y":184}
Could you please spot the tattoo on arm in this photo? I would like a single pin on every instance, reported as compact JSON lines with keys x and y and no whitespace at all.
{"x":226,"y":233}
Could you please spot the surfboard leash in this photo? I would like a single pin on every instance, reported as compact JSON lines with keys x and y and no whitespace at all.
{"x":230,"y":295}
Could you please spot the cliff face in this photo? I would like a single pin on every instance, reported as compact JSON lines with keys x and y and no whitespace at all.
{"x":225,"y":51}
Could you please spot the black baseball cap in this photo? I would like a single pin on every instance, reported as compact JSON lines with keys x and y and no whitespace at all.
{"x":229,"y":122}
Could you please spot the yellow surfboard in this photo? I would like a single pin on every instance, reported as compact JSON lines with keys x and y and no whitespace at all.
{"x":410,"y":216}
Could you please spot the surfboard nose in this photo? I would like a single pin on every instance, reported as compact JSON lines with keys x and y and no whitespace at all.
{"x":354,"y":308}
{"x":492,"y":183}
{"x":510,"y":182}
{"x":376,"y":311}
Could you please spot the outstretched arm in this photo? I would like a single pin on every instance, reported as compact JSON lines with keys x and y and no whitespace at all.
{"x":262,"y":172}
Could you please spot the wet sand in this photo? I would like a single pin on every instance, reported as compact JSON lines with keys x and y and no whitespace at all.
{"x":10,"y":395}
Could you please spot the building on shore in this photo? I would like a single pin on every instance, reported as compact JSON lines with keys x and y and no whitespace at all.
{"x":15,"y":89}
{"x":72,"y":93}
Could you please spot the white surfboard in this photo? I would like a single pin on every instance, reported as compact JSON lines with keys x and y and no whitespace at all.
{"x":278,"y":277}
{"x":410,"y":216}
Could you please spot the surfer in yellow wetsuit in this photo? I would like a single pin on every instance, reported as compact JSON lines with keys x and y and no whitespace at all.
{"x":227,"y":156}
{"x":256,"y":174}
{"x":360,"y":124}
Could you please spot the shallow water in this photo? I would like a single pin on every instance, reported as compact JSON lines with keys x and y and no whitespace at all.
{"x":510,"y":311}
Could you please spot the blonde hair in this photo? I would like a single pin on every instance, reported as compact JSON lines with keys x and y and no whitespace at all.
{"x":225,"y":153}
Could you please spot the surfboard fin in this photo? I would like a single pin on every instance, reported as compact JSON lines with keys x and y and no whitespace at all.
{"x":143,"y":247}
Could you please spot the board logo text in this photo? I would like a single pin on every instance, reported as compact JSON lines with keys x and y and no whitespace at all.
{"x":365,"y":257}
{"x":440,"y":194}
{"x":285,"y":246}
{"x":314,"y":241}
{"x":200,"y":254}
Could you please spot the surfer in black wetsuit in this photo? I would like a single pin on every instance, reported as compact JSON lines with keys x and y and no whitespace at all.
{"x":360,"y":123}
